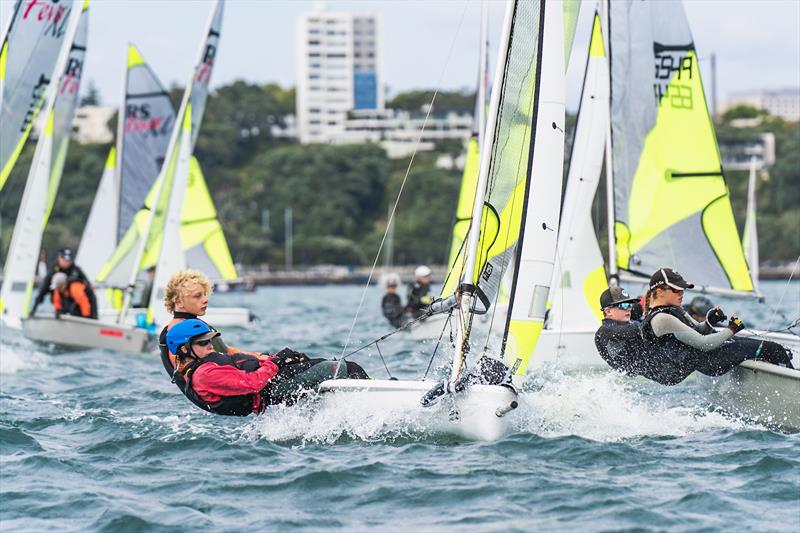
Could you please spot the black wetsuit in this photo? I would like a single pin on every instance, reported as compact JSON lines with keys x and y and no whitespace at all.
{"x":418,"y":298}
{"x":620,"y":345}
{"x":670,"y":360}
{"x":393,"y":309}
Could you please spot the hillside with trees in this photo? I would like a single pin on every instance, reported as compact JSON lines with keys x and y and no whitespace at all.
{"x":340,"y":194}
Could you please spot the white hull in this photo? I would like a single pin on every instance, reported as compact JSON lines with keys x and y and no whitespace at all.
{"x":476,"y":414}
{"x":221,"y":317}
{"x":766,"y":393}
{"x":76,"y":332}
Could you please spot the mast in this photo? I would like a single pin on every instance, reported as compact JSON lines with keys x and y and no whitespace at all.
{"x":613,"y":274}
{"x":483,"y":72}
{"x":467,"y":287}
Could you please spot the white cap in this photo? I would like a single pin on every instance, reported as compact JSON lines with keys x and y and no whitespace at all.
{"x":422,"y":271}
{"x":58,"y":279}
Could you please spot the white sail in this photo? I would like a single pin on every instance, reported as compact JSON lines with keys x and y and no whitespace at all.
{"x":176,"y":177}
{"x":44,"y":176}
{"x":538,"y":238}
{"x":28,"y":58}
{"x":750,"y":236}
{"x":579,"y":275}
{"x":100,"y":235}
{"x":519,"y":188}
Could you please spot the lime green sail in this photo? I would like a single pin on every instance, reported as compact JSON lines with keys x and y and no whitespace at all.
{"x":672,"y":206}
{"x":202,"y":238}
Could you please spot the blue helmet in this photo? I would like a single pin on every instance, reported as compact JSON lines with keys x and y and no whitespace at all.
{"x":186,"y":331}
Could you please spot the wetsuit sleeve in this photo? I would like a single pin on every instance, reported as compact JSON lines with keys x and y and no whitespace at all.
{"x":212,"y":378}
{"x":78,"y":293}
{"x":664,"y":324}
{"x":701,"y":327}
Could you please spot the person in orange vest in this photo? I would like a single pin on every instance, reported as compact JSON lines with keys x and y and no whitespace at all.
{"x":70,"y":297}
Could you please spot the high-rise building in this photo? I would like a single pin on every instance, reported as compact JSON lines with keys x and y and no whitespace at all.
{"x":337,"y":71}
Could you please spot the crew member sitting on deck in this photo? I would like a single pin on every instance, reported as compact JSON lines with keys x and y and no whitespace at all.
{"x":391,"y":305}
{"x":65,"y":264}
{"x":71,"y":298}
{"x":675,"y":345}
{"x":618,"y":340}
{"x":418,"y":297}
{"x":239,"y":384}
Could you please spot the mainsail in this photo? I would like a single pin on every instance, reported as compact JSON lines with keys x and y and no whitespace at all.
{"x":579,"y":276}
{"x":517,"y":204}
{"x":45,"y":174}
{"x":148,"y":126}
{"x":27,"y":62}
{"x":671,"y":203}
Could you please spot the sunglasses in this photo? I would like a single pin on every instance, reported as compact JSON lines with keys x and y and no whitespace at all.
{"x":202,"y":343}
{"x":624,"y":305}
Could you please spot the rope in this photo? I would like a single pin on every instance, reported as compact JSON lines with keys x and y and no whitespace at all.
{"x":438,"y":342}
{"x":772,"y":320}
{"x":403,"y":184}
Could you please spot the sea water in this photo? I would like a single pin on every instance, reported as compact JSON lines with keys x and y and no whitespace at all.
{"x":102,"y":441}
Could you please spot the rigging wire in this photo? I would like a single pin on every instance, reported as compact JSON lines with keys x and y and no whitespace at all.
{"x":777,"y":308}
{"x":405,"y":179}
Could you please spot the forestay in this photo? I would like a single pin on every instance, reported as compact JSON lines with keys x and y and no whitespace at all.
{"x":27,"y":61}
{"x":671,"y":204}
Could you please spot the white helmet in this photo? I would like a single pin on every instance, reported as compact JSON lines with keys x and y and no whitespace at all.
{"x":422,"y":271}
{"x":390,"y":280}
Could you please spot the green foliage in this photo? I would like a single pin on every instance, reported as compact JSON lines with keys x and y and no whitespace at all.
{"x":459,"y":102}
{"x":340,"y":194}
{"x":742,"y":111}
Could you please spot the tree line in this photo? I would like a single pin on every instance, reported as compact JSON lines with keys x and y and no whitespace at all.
{"x":340,"y":194}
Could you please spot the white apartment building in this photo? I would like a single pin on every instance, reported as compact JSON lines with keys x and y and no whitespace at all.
{"x":784,"y":103}
{"x":337,"y":71}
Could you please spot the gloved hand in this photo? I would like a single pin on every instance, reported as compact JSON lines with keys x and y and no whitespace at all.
{"x":715,"y":316}
{"x":288,"y":356}
{"x":735,"y":324}
{"x":426,"y":300}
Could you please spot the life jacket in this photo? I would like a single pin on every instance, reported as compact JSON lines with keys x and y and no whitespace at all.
{"x":177,"y":378}
{"x":68,"y":305}
{"x":667,"y":360}
{"x":76,"y":274}
{"x":648,"y":335}
{"x":241,"y":405}
{"x":620,"y":345}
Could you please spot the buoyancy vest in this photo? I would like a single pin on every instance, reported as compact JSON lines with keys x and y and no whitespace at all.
{"x":240,"y":405}
{"x":620,"y":345}
{"x":76,"y":274}
{"x":667,"y":360}
{"x":647,"y":333}
{"x":217,"y":342}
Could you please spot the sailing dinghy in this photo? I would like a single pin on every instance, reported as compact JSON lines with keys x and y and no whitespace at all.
{"x":513,"y":230}
{"x":665,"y":187}
{"x":37,"y":201}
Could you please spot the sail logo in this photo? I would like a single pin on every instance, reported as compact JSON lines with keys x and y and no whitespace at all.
{"x":139,"y":118}
{"x":204,"y":72}
{"x":71,"y":80}
{"x":49,"y":12}
{"x":674,"y":72}
{"x":36,"y":97}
